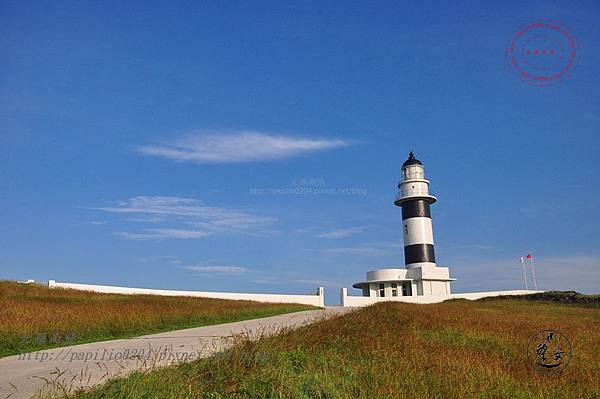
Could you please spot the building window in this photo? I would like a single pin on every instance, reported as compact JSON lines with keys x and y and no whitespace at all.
{"x":406,"y":289}
{"x":405,"y":229}
{"x":381,"y":290}
{"x":394,"y":292}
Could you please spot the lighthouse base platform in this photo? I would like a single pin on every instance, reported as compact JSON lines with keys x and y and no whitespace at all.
{"x":421,"y":279}
{"x":358,"y":301}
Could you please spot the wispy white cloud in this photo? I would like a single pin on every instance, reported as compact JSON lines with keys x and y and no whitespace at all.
{"x":181,"y":214}
{"x":158,"y":234}
{"x":341,"y":233}
{"x":237,"y":147}
{"x":217,"y":269}
{"x":147,"y":219}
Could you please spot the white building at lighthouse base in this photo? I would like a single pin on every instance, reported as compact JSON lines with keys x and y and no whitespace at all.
{"x":421,"y":284}
{"x":424,"y":280}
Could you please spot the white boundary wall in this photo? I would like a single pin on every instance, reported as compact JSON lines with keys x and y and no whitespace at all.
{"x":314,"y":300}
{"x":357,"y":301}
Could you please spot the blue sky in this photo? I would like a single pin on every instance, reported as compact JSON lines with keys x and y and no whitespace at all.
{"x":256,"y":146}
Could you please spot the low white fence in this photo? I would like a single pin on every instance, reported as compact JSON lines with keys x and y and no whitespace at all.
{"x":357,"y":301}
{"x":317,"y":299}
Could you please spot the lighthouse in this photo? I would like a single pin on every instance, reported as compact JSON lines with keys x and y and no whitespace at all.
{"x":414,"y":198}
{"x":421,"y":276}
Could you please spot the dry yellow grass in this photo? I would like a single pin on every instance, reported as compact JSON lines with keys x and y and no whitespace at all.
{"x":34,"y":317}
{"x":456,"y":349}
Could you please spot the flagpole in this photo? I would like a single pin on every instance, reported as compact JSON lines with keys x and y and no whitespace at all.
{"x":524,"y":274}
{"x":533,"y":271}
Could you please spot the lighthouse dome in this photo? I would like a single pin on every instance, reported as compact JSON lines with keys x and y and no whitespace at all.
{"x":411,"y":160}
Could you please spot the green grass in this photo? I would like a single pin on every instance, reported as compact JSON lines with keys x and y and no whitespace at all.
{"x":453,"y":349}
{"x":33,"y":317}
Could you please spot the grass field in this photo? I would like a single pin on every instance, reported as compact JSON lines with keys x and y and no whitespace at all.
{"x":455,"y":349}
{"x":33,"y":317}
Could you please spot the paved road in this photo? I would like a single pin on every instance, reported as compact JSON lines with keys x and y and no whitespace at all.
{"x":85,"y":365}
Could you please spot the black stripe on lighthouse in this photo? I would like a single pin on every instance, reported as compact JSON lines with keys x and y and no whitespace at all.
{"x":418,"y":253}
{"x":415,"y":209}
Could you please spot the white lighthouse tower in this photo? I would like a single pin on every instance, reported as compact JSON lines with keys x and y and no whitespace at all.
{"x":414,"y":198}
{"x":421,"y":275}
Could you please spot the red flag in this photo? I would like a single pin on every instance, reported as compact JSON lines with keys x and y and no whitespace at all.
{"x":529,"y":256}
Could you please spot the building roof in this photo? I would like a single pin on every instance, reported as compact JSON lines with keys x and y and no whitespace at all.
{"x":411,"y":160}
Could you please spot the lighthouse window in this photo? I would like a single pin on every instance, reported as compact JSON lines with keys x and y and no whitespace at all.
{"x":405,"y":229}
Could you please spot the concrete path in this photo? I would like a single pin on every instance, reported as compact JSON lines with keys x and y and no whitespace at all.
{"x":85,"y":365}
